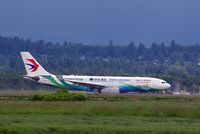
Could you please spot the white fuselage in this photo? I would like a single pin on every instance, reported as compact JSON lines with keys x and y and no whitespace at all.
{"x":105,"y":83}
{"x":111,"y":81}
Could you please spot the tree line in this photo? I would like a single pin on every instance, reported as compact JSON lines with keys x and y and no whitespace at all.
{"x":178,"y":64}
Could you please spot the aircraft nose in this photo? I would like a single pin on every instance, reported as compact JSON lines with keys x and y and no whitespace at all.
{"x":168,"y":85}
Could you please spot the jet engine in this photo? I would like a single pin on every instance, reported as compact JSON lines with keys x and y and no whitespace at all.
{"x":110,"y":90}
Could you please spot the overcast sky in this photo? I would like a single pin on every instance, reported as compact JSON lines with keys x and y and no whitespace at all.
{"x":98,"y":21}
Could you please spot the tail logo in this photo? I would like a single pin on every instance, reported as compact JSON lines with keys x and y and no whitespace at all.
{"x":34,"y":66}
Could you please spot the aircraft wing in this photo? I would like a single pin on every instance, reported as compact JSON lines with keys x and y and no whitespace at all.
{"x":90,"y":85}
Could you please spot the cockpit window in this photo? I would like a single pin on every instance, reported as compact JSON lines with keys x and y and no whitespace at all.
{"x":163,"y":82}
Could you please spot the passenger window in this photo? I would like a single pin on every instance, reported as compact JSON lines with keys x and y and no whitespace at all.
{"x":91,"y":79}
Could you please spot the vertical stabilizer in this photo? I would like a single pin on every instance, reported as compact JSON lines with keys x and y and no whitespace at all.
{"x":33,"y":68}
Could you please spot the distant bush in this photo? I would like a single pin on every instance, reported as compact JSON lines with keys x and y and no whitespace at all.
{"x":61,"y":95}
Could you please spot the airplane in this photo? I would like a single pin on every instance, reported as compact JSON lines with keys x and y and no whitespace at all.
{"x":94,"y":84}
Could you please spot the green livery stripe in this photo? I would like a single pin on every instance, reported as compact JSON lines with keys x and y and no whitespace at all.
{"x":66,"y":84}
{"x":139,"y":88}
{"x":50,"y":78}
{"x":63,"y":85}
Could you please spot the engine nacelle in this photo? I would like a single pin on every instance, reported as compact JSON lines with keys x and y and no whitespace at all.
{"x":110,"y":90}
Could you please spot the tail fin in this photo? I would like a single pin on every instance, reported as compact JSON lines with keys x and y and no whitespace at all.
{"x":33,"y":68}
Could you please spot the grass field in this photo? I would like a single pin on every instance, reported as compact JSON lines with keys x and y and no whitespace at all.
{"x":103,"y":114}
